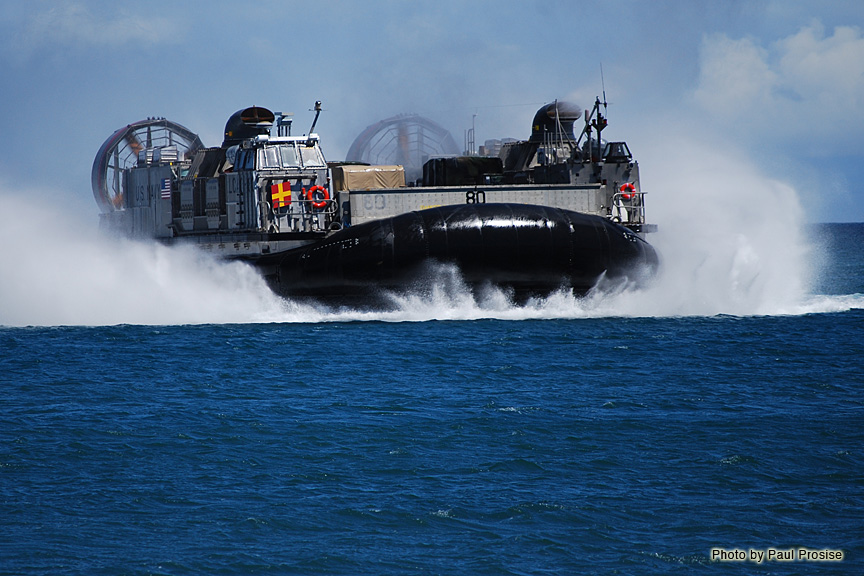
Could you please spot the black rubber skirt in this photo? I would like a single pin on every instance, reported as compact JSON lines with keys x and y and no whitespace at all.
{"x":527,"y":249}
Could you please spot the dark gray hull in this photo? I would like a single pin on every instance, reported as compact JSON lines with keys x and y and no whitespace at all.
{"x":527,"y":249}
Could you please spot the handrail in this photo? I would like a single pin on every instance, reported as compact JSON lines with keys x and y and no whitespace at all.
{"x":302,"y":213}
{"x":629,"y":210}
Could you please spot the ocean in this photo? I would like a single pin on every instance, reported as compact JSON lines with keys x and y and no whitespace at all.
{"x":174,"y":418}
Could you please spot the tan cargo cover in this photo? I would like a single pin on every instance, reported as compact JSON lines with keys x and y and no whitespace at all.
{"x":367,"y":177}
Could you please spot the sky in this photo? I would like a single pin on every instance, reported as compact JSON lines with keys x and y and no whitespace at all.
{"x":766,"y":90}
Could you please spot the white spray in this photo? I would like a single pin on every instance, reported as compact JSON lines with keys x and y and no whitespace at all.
{"x":731,"y":239}
{"x":58,"y":269}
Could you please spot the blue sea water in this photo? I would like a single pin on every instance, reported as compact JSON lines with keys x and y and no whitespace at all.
{"x":519,"y":443}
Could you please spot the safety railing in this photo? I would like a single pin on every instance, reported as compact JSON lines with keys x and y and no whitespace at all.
{"x":304,"y":215}
{"x":628,"y":208}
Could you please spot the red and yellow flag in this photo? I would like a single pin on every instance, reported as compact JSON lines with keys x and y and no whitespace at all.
{"x":280,"y":194}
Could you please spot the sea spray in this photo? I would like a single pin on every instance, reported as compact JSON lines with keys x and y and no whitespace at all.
{"x":731,"y":238}
{"x":66,"y":272}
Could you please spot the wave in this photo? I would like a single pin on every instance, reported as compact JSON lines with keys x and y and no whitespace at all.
{"x":451,"y":300}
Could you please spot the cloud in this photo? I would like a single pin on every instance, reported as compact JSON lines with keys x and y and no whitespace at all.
{"x":826,"y":71}
{"x":734,"y":73}
{"x":73,"y":24}
{"x":807,"y":86}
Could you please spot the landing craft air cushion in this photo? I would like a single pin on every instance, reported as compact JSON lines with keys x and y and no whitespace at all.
{"x":552,"y":212}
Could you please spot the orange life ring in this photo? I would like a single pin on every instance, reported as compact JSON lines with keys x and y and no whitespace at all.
{"x":628,"y":191}
{"x":321,"y":202}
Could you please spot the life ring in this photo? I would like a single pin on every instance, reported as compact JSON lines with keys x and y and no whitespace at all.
{"x":320,"y":200}
{"x":628,"y":191}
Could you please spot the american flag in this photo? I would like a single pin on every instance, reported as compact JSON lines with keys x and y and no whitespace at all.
{"x":166,"y":189}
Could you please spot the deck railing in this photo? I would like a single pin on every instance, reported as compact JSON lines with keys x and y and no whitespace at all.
{"x":628,"y":210}
{"x":304,"y":215}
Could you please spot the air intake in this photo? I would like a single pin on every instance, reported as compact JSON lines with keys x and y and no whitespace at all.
{"x":247,"y":123}
{"x":555,"y":121}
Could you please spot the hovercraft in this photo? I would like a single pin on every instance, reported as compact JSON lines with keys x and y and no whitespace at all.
{"x":551,"y":212}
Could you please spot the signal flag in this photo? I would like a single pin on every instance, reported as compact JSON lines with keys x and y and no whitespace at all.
{"x":280,"y":194}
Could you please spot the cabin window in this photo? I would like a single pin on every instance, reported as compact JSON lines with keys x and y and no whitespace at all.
{"x":268,"y":158}
{"x":289,"y":156}
{"x":312,"y":157}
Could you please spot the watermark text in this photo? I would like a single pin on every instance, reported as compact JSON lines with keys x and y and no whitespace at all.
{"x":760,"y":555}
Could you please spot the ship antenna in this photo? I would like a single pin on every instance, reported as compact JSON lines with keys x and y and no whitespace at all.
{"x":603,"y":84}
{"x":588,"y":117}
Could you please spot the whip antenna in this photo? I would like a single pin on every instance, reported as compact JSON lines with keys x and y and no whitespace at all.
{"x":603,"y":85}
